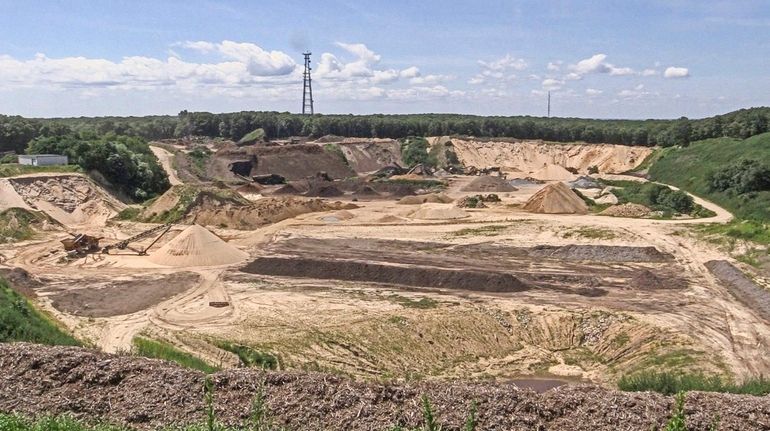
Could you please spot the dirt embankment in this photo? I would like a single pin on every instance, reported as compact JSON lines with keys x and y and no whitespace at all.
{"x":379,"y":273}
{"x":367,"y":155}
{"x":71,"y":199}
{"x":532,"y":156}
{"x":211,"y":206}
{"x":129,"y":390}
{"x":293,"y":162}
{"x":741,"y":286}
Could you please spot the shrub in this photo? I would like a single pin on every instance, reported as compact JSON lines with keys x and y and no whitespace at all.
{"x":745,"y":176}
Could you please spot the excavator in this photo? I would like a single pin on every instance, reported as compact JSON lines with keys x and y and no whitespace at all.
{"x":82,"y":244}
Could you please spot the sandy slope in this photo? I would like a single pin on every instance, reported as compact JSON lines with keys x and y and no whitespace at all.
{"x":532,"y":156}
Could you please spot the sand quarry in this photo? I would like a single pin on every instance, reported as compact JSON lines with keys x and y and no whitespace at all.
{"x":529,"y":288}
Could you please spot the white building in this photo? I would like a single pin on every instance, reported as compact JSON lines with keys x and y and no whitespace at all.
{"x":42,"y":159}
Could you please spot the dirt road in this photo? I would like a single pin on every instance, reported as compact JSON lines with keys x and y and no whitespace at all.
{"x":166,"y":160}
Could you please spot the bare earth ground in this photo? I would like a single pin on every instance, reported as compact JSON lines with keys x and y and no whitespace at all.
{"x":563,"y":307}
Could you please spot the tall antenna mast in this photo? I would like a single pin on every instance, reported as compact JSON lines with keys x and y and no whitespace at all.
{"x":307,"y":87}
{"x":549,"y":104}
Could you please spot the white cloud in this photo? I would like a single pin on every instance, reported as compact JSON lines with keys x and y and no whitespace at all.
{"x":554,"y":66}
{"x":410,"y":72}
{"x":572,"y":76}
{"x":384,"y":76}
{"x":501,"y":69}
{"x":430,"y":79}
{"x":596,"y":64}
{"x":649,"y":72}
{"x":552,"y":84}
{"x":231,"y":69}
{"x":637,"y":92}
{"x":593,"y":92}
{"x":258,"y":61}
{"x":676,"y":72}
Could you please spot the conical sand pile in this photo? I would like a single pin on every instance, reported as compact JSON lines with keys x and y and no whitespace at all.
{"x":556,"y":198}
{"x":197,"y":246}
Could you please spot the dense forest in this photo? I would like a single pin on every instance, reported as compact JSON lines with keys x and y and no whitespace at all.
{"x":17,"y":132}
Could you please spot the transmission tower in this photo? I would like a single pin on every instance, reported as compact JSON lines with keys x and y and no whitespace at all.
{"x":549,"y":104}
{"x":307,"y":87}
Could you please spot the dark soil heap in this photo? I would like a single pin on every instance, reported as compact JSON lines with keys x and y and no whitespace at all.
{"x":489,"y":184}
{"x":146,"y":393}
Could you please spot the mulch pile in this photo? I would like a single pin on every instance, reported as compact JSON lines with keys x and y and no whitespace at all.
{"x":146,"y":393}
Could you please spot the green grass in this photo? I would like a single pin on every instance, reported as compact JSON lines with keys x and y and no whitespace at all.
{"x":250,"y":357}
{"x":188,"y":195}
{"x":16,"y":224}
{"x":669,"y":383}
{"x":689,"y":168}
{"x":748,"y":230}
{"x":422,"y":303}
{"x":130,"y":213}
{"x":20,"y":321}
{"x":337,"y":151}
{"x":590,"y":233}
{"x":14,"y":169}
{"x":491,"y":230}
{"x":254,"y":135}
{"x":160,"y":350}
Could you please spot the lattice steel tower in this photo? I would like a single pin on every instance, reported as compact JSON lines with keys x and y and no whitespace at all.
{"x":307,"y":87}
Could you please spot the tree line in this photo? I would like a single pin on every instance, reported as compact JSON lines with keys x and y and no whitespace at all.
{"x":16,"y":132}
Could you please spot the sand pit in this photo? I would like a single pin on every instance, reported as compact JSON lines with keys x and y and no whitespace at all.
{"x":197,"y":246}
{"x":551,"y":172}
{"x":488,"y":184}
{"x":556,"y":198}
{"x":432,"y":198}
{"x":438,"y":212}
{"x":627,"y":210}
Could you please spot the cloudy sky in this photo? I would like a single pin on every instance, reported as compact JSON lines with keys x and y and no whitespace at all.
{"x":601,"y":59}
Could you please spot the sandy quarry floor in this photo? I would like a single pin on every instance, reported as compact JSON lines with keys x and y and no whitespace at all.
{"x":589,"y":316}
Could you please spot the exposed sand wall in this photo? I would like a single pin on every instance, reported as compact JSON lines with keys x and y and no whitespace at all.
{"x":531,"y":156}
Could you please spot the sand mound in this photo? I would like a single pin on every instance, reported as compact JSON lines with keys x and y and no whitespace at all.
{"x":337,"y":217}
{"x":551,"y":172}
{"x":627,"y":210}
{"x":390,"y":219}
{"x":324,"y":191}
{"x":433,"y":198}
{"x":607,"y":198}
{"x":489,"y":184}
{"x":366,"y":190}
{"x":438,"y":212}
{"x":251,"y":188}
{"x":197,"y":246}
{"x":287,"y":189}
{"x":556,"y":198}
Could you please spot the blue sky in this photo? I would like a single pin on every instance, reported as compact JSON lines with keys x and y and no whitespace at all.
{"x":604,"y":59}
